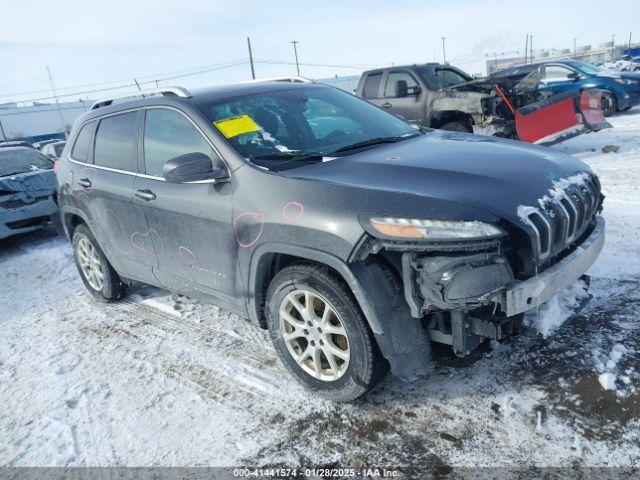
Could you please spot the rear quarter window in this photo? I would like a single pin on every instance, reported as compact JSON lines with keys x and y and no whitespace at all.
{"x":82,"y":146}
{"x":117,"y":142}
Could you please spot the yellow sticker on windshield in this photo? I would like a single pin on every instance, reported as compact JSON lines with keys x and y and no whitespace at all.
{"x":234,"y":126}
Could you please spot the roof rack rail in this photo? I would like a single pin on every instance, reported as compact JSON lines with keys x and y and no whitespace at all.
{"x":282,"y":79}
{"x":175,"y":91}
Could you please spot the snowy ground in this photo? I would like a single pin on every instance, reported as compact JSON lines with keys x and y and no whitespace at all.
{"x":158,"y":380}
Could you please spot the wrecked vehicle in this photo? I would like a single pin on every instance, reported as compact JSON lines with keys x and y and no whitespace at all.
{"x":445,"y":97}
{"x":353,"y":237}
{"x":27,"y":191}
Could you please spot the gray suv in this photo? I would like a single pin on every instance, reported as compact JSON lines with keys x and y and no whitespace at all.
{"x":354,"y":237}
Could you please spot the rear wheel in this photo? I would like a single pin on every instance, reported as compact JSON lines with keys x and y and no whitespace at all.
{"x":456,"y":127}
{"x":95,"y":270}
{"x":320,"y":333}
{"x":608,"y":103}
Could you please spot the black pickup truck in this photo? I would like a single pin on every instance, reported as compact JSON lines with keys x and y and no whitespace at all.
{"x":354,"y":237}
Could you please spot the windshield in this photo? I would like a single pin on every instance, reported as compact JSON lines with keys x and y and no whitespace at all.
{"x":303,"y":120}
{"x":437,"y":77}
{"x":22,"y":160}
{"x":587,"y":68}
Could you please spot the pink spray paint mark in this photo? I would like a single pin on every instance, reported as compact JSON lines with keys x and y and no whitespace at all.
{"x":293,"y":211}
{"x":244,"y":220}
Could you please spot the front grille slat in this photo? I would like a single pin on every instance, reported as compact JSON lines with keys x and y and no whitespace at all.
{"x":563,"y":217}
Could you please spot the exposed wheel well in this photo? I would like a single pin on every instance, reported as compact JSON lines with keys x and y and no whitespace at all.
{"x":270,"y":264}
{"x":440,"y":118}
{"x":71,"y":221}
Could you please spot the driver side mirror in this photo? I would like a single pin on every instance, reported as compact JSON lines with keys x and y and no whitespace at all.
{"x":401,"y":89}
{"x":193,"y":167}
{"x":573,"y":75}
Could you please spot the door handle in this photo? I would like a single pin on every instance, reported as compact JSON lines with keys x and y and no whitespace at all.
{"x":84,"y":182}
{"x":386,"y":105}
{"x":145,"y":194}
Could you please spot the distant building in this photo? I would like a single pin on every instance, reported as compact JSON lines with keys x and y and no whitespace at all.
{"x":39,"y":120}
{"x":604,"y":52}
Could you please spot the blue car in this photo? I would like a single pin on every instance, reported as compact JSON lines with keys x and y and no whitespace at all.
{"x":621,"y":90}
{"x":27,"y":191}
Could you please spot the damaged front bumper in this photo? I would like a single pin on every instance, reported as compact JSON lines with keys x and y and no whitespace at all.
{"x":19,"y":217}
{"x":467,"y":281}
{"x":528,"y":294}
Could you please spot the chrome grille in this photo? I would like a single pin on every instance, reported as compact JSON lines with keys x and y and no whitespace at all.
{"x":562,"y":216}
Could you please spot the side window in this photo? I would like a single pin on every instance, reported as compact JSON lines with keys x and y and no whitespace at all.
{"x":116,"y":142}
{"x":556,"y":73}
{"x":372,"y":85}
{"x":168,"y":134}
{"x":82,"y":147}
{"x":392,"y":81}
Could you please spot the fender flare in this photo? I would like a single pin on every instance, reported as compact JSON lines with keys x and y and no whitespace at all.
{"x":308,"y":254}
{"x":402,"y":339}
{"x":68,"y":211}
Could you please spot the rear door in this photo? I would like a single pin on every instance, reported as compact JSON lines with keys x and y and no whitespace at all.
{"x":103,"y":188}
{"x":372,"y":88}
{"x":196,"y":246}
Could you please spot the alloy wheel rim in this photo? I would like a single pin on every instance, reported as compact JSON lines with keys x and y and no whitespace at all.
{"x":90,"y":263}
{"x":314,"y":335}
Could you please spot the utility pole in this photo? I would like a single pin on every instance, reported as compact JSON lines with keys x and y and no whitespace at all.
{"x":629,"y":47}
{"x":574,"y":47}
{"x":295,"y":52}
{"x":253,"y":71}
{"x":526,"y":49}
{"x":55,"y":95}
{"x":444,"y":53}
{"x":531,"y":47}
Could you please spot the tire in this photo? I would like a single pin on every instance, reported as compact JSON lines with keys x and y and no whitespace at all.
{"x":609,"y":103}
{"x":456,"y":127}
{"x":350,"y":378}
{"x":111,"y":287}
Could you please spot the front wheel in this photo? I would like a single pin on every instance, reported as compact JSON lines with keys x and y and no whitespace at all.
{"x":609,"y":104}
{"x":320,"y":333}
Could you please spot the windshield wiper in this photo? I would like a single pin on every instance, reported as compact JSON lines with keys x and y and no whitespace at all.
{"x":375,"y":141}
{"x":288,"y":155}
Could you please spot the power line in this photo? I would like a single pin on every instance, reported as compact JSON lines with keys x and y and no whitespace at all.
{"x":153,"y":77}
{"x":132,"y":85}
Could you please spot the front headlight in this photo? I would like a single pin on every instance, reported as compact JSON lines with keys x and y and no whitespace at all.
{"x":623,"y":81}
{"x":412,"y":228}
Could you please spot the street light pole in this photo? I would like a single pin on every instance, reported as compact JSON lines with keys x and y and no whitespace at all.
{"x":295,"y":51}
{"x":574,"y":47}
{"x":613,"y":44}
{"x":55,"y":95}
{"x":444,"y":53}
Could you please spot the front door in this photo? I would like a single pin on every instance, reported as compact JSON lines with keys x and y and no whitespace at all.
{"x":190,"y":222}
{"x":558,"y":79}
{"x":407,"y":106}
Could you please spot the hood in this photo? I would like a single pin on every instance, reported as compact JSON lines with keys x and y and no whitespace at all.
{"x":35,"y":181}
{"x":482,"y":173}
{"x":630,"y":76}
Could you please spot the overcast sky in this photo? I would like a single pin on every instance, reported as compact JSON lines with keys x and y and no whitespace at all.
{"x":86,"y":42}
